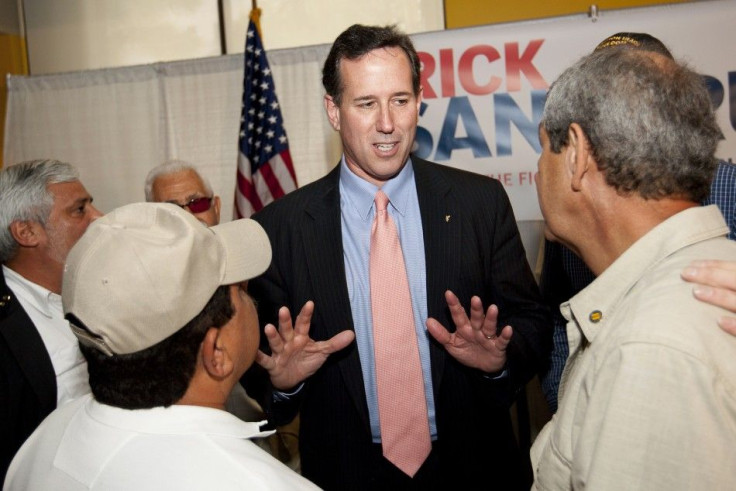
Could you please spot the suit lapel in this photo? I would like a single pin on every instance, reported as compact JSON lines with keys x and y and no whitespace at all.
{"x":441,"y":225}
{"x":322,"y":232}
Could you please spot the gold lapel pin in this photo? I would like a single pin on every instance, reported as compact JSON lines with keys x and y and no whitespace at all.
{"x":447,"y":218}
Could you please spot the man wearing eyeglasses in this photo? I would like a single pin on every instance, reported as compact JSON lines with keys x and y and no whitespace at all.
{"x":180,"y":183}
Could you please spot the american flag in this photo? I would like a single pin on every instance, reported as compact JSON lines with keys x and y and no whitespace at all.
{"x":265,"y":170}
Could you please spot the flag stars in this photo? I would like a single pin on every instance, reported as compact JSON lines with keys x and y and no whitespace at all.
{"x":261,"y":134}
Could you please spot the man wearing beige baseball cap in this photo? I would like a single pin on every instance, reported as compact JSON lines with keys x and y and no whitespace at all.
{"x":159,"y":304}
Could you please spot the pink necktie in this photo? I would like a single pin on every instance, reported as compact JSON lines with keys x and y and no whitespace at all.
{"x":402,"y":405}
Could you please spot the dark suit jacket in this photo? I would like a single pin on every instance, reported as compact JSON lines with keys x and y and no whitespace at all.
{"x":27,"y":379}
{"x":477,"y":251}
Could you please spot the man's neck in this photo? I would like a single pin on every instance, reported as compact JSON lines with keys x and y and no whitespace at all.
{"x":206,"y":392}
{"x":627,"y":222}
{"x":39,"y":272}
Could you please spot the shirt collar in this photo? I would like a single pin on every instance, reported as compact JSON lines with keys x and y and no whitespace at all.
{"x":176,"y":419}
{"x":45,"y":301}
{"x":360,"y":193}
{"x":597,"y":302}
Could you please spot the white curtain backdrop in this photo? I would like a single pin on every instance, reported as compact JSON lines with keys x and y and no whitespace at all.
{"x":116,"y":124}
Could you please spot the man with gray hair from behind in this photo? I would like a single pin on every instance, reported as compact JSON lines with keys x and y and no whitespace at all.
{"x":159,"y":304}
{"x":44,"y":209}
{"x":648,"y":394}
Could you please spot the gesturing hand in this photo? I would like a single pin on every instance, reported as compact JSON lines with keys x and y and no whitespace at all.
{"x":294,"y":355}
{"x":475,"y":342}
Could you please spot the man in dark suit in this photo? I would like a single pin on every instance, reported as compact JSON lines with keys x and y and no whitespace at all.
{"x":44,"y":209}
{"x":462,"y":252}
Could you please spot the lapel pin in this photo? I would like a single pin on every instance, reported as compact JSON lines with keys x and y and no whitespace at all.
{"x":447,"y":218}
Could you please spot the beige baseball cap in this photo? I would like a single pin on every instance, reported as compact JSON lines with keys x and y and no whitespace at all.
{"x":143,"y":271}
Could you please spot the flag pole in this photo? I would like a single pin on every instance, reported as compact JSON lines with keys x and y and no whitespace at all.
{"x":265,"y":169}
{"x":255,"y":16}
{"x":221,"y":20}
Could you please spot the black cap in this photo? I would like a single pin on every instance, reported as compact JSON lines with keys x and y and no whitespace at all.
{"x":635,"y":40}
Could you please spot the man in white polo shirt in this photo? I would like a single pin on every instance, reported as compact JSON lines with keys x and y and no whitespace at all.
{"x":159,"y":304}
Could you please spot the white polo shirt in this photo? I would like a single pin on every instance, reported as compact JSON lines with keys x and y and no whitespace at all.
{"x":88,"y":445}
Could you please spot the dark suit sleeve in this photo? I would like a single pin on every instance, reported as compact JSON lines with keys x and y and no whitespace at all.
{"x":27,"y":379}
{"x":473,"y":247}
{"x":269,"y":292}
{"x":515,"y":292}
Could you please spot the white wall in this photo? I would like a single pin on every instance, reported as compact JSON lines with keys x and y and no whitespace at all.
{"x":70,"y":35}
{"x":293,"y":23}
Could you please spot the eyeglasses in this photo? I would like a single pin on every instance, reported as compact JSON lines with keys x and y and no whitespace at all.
{"x":197,"y":205}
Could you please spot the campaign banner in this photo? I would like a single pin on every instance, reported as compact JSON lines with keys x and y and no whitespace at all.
{"x":484,"y":88}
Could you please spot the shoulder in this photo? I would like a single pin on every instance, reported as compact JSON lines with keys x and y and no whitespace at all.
{"x":447,"y":171}
{"x":302,"y":198}
{"x":660,"y":312}
{"x":723,"y":186}
{"x":465,"y":186}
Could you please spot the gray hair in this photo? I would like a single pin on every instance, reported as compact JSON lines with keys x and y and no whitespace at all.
{"x":24,"y":196}
{"x":649,"y":120}
{"x":172,"y":167}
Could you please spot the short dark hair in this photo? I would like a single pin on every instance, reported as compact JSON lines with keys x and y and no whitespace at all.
{"x":358,"y":40}
{"x":159,"y":375}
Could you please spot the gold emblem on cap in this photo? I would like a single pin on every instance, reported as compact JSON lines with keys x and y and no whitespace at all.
{"x":595,"y":316}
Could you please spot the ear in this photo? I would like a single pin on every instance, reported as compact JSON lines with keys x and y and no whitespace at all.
{"x":216,"y":204}
{"x":215,"y":358}
{"x":579,"y":156}
{"x":420,"y":95}
{"x":26,"y":233}
{"x":333,"y":112}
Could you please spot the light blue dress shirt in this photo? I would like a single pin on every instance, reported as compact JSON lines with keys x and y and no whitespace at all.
{"x":357,"y":213}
